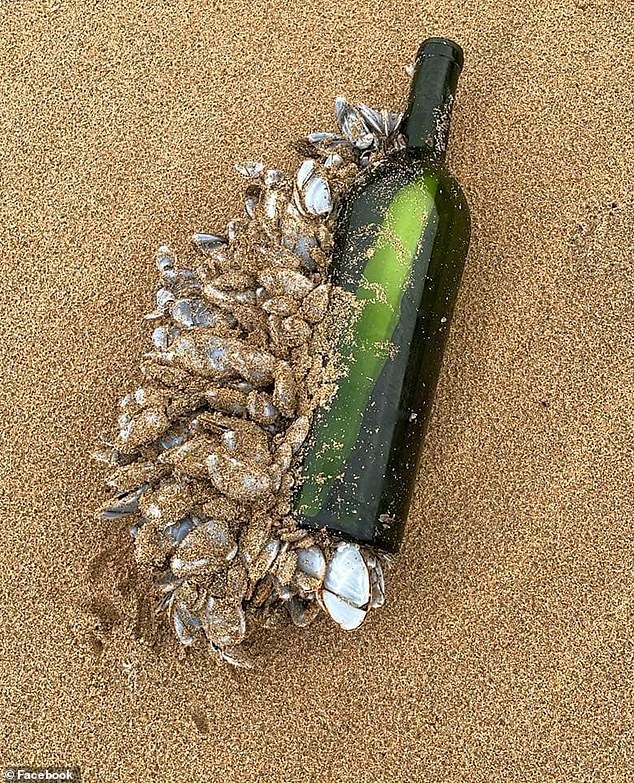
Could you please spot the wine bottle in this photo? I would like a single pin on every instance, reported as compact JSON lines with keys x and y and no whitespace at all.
{"x":400,"y":243}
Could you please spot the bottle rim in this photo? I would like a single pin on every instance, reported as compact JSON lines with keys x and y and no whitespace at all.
{"x":441,"y":47}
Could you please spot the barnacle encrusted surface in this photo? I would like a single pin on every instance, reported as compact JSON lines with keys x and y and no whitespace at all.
{"x":208,"y":449}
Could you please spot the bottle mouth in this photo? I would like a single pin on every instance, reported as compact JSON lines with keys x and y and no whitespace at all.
{"x":441,"y":47}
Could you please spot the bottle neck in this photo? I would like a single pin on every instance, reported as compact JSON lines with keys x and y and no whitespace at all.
{"x":428,"y":116}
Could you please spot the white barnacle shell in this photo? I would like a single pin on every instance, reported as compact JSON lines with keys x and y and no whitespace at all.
{"x":305,"y":172}
{"x":346,"y":592}
{"x":333,"y":161}
{"x":208,"y":242}
{"x":164,"y":259}
{"x":344,"y":614}
{"x":271,"y":204}
{"x":180,"y":629}
{"x":221,"y":358}
{"x":182,"y":313}
{"x":204,"y":548}
{"x":328,"y":142}
{"x":350,"y":119}
{"x":279,"y":281}
{"x":312,"y":190}
{"x":250,"y":168}
{"x":250,"y":204}
{"x":123,"y":504}
{"x":376,"y":121}
{"x":285,"y":390}
{"x":185,"y":622}
{"x":317,"y":196}
{"x":239,"y":480}
{"x":315,"y":304}
{"x":261,"y":409}
{"x":143,"y":428}
{"x":224,"y":622}
{"x":311,"y":563}
{"x":170,"y":439}
{"x":394,"y":120}
{"x":160,"y":338}
{"x":179,"y":530}
{"x":297,"y":432}
{"x":273,"y":176}
{"x":365,"y":142}
{"x":192,"y":312}
{"x":164,"y":297}
{"x":140,"y":396}
{"x":381,"y":123}
{"x":233,"y":226}
{"x":302,"y":246}
{"x":269,"y":552}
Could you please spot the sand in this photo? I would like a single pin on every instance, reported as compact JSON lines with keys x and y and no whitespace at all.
{"x":505,"y":650}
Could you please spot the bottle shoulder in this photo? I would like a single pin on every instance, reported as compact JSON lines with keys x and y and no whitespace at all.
{"x":380,"y":182}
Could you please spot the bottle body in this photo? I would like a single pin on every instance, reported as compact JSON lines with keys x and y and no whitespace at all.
{"x":401,"y":240}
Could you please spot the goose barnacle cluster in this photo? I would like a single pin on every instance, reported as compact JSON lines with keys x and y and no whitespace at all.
{"x":207,"y":451}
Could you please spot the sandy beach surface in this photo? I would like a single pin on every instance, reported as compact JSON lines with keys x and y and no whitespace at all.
{"x":505,"y":651}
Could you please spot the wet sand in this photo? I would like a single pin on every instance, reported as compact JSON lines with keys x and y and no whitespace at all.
{"x":505,"y":649}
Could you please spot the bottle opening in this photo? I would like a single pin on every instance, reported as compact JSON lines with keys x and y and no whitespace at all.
{"x":441,"y":47}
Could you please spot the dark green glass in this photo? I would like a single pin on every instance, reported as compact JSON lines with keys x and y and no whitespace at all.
{"x":401,"y":239}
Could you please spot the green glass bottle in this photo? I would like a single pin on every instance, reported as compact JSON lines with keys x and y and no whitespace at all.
{"x":401,"y":239}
